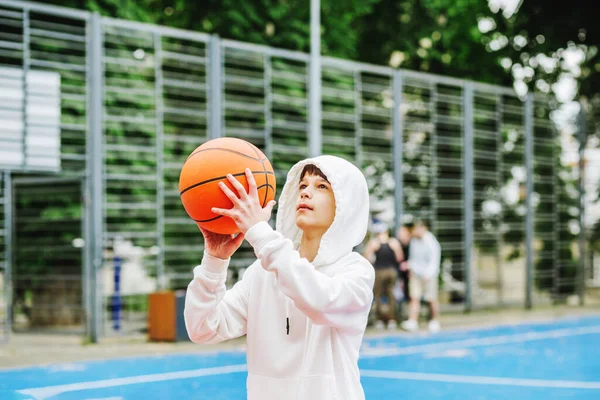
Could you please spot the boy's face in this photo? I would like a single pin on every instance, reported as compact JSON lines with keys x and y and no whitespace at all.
{"x":315,"y":207}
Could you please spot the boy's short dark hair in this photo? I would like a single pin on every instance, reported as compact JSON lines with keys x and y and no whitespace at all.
{"x":312,"y":169}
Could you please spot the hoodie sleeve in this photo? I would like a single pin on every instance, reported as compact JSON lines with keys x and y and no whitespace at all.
{"x":342,"y":301}
{"x":212,"y":313}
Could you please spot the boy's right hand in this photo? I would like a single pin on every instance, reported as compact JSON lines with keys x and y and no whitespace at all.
{"x":221,"y":246}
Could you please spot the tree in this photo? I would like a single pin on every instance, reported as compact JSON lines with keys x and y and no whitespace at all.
{"x":434,"y":36}
{"x":467,"y":38}
{"x":280,"y":23}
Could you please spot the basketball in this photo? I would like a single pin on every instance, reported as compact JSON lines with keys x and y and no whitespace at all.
{"x":208,"y":165}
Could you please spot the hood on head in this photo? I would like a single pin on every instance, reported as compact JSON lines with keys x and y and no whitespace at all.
{"x":351,"y":220}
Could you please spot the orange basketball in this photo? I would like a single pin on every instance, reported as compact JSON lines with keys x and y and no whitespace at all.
{"x":208,"y":165}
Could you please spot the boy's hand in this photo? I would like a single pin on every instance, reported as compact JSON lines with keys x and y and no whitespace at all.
{"x":221,"y":246}
{"x":246,"y":211}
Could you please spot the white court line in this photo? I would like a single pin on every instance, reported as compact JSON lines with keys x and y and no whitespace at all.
{"x":489,"y":326}
{"x":485,"y":341}
{"x":49,"y":391}
{"x":42,"y":393}
{"x":480,"y":380}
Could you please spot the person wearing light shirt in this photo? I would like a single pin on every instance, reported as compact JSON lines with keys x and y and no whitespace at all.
{"x":424,"y":265}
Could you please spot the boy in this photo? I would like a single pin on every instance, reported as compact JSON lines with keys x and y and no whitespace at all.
{"x":304,"y":303}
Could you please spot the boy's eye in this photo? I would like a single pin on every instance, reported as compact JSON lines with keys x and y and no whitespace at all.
{"x":322,"y":186}
{"x":302,"y":186}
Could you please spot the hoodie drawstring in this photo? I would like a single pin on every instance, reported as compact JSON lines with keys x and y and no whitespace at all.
{"x":287,"y":315}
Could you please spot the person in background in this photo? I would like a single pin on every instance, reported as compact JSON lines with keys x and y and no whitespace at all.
{"x":385,"y":253}
{"x":404,"y":235}
{"x":424,"y":265}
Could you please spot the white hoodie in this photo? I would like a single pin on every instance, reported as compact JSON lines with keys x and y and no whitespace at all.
{"x":304,"y":322}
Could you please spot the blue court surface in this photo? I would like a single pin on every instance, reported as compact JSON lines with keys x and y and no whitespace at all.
{"x":554,"y":360}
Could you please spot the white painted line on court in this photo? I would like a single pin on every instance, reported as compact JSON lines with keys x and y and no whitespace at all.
{"x":547,"y":321}
{"x":485,"y":341}
{"x":42,"y":393}
{"x":480,"y":380}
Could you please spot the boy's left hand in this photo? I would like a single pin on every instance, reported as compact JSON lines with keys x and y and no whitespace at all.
{"x":246,"y":211}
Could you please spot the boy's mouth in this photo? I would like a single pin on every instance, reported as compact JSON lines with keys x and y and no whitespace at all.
{"x":303,"y":206}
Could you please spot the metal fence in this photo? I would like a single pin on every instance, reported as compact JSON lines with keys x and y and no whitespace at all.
{"x":590,"y":194}
{"x":135,"y":99}
{"x":5,"y":256}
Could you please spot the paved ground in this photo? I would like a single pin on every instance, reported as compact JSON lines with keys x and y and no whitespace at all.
{"x":522,"y":359}
{"x":42,"y":349}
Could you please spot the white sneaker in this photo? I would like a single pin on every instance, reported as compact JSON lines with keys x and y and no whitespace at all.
{"x":392,"y":325}
{"x":434,"y":326}
{"x":379,"y":325}
{"x":410,"y":325}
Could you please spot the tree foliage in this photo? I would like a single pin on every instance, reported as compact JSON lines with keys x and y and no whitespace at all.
{"x":467,"y":38}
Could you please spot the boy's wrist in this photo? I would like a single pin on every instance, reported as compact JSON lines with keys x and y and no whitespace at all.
{"x":214,"y":264}
{"x":257,"y":234}
{"x":217,"y":255}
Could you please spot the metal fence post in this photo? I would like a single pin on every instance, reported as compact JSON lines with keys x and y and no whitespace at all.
{"x":314,"y":114}
{"x":8,"y":248}
{"x":215,"y":126}
{"x":25,"y":83}
{"x":468,"y":189}
{"x":268,"y":74}
{"x":358,"y":111}
{"x":85,"y":250}
{"x":500,"y":183}
{"x":528,"y":120}
{"x":581,"y":183}
{"x":95,"y":178}
{"x":433,"y":168}
{"x":160,"y":186}
{"x":397,"y":146}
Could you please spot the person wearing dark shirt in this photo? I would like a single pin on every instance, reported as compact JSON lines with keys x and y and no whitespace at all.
{"x":385,"y":253}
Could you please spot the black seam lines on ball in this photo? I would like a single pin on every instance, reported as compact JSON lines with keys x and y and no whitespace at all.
{"x":262,"y":162}
{"x":208,"y":220}
{"x":224,"y":149}
{"x":219,"y":216}
{"x":222,"y":177}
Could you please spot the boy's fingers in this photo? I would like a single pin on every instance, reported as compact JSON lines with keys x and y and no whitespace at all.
{"x":205,"y":233}
{"x":230,"y":195}
{"x":253,"y":191}
{"x":270,"y":206}
{"x":238,"y":186}
{"x":238,"y":239}
{"x":223,"y":211}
